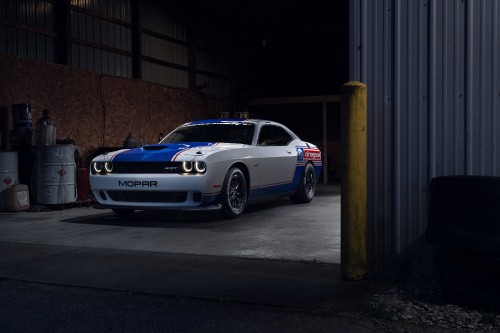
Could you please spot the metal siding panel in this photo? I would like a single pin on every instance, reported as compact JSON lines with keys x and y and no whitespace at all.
{"x":90,"y":58}
{"x":373,"y":66}
{"x":75,"y":59}
{"x":486,"y":73}
{"x":409,"y":124}
{"x":399,"y":57}
{"x":105,"y":62}
{"x":30,"y":13}
{"x":97,"y":30}
{"x":31,"y":45}
{"x":487,"y":151}
{"x":49,"y":16}
{"x":165,"y":50}
{"x":423,"y":103}
{"x":474,"y":107}
{"x":81,"y":26}
{"x":21,"y":43}
{"x":482,"y":119}
{"x":109,"y":37}
{"x":116,"y":36}
{"x":165,"y":75}
{"x":217,"y":87}
{"x":165,"y":18}
{"x":49,"y":46}
{"x":98,"y":60}
{"x":433,"y":98}
{"x":74,"y":24}
{"x":384,"y":153}
{"x":354,"y":40}
{"x":9,"y":42}
{"x":385,"y":217}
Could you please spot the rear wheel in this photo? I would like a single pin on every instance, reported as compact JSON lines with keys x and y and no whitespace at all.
{"x":234,"y":194}
{"x":307,"y":186}
{"x":123,"y":212}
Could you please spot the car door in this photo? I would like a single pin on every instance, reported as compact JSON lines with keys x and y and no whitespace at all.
{"x":278,"y":159}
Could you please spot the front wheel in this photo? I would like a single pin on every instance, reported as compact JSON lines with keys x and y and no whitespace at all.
{"x":307,"y":186}
{"x":234,"y":194}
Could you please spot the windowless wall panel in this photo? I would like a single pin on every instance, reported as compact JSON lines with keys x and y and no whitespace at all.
{"x":432,"y":72}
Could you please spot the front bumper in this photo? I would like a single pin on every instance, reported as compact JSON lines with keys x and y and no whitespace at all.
{"x":155,"y":191}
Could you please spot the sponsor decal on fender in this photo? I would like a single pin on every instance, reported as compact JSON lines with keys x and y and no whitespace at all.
{"x":312,"y":154}
{"x":308,"y":154}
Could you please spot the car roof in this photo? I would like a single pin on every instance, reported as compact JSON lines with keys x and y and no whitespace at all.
{"x":233,"y":120}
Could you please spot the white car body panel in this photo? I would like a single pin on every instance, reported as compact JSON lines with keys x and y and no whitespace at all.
{"x":268,"y":169}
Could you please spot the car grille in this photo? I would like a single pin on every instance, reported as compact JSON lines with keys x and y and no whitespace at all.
{"x":148,"y":196}
{"x":152,"y":167}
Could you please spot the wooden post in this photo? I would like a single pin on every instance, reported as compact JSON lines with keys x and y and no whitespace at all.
{"x":353,"y":184}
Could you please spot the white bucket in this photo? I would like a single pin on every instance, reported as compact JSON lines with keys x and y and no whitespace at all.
{"x":8,"y":174}
{"x":17,"y":198}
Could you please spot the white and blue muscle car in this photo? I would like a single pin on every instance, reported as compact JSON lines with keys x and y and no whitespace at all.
{"x":210,"y":164}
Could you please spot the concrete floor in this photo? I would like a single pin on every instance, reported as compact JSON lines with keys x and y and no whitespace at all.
{"x":274,"y":230}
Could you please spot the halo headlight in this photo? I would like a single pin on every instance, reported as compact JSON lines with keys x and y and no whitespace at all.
{"x":187,"y":166}
{"x":200,"y":166}
{"x":108,"y":166}
{"x":97,"y":166}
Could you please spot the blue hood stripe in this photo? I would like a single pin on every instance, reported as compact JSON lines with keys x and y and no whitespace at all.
{"x":157,"y":152}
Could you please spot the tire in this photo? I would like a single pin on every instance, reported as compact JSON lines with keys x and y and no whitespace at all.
{"x":307,"y":186}
{"x":234,"y":194}
{"x":123,"y":212}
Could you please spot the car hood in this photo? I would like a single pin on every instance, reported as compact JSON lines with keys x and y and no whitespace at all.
{"x":167,"y":152}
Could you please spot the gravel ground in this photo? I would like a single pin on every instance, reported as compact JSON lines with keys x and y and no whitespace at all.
{"x":419,"y":306}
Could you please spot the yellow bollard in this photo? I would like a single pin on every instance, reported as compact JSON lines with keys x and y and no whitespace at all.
{"x":353,"y":184}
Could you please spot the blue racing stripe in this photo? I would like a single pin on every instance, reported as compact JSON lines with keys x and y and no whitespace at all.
{"x":157,"y":152}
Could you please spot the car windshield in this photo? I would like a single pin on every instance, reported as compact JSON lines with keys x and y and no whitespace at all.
{"x":213,"y":132}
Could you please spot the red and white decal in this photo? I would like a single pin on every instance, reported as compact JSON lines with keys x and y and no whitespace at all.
{"x":312,"y":154}
{"x":177,"y":155}
{"x":7,"y":181}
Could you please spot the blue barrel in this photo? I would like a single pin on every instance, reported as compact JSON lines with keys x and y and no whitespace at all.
{"x":22,"y":118}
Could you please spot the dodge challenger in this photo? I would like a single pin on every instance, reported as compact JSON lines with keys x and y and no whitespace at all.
{"x":219,"y":164}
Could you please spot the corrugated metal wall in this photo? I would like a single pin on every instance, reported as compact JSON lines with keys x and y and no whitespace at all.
{"x":178,"y":41}
{"x":102,"y":36}
{"x":169,"y":20}
{"x":431,"y":67}
{"x":36,"y":41}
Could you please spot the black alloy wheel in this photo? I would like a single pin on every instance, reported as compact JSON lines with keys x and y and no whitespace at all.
{"x":234,"y":194}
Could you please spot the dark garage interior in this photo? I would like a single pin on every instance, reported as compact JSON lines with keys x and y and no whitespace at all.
{"x":107,"y":69}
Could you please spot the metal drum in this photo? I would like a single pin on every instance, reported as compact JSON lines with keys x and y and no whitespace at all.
{"x":56,"y":174}
{"x":8,"y":174}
